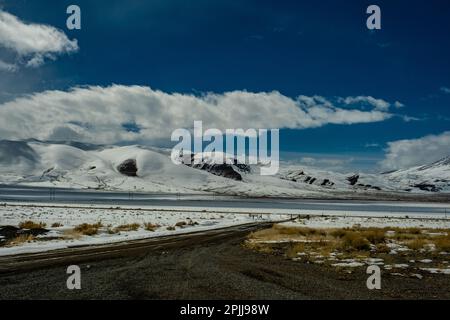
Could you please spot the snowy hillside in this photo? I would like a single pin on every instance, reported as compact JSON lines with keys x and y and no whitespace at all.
{"x":138,"y":168}
{"x":434,"y":177}
{"x":111,"y":168}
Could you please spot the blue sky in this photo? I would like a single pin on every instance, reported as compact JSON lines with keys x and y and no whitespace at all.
{"x":295,"y":47}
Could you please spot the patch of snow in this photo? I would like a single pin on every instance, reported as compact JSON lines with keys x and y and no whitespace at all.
{"x":400,"y":266}
{"x":426,"y":261}
{"x":436,"y":271}
{"x":348,"y":264}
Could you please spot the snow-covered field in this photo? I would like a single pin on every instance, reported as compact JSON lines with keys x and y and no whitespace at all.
{"x":329,"y":221}
{"x":195,"y":219}
{"x":110,"y":219}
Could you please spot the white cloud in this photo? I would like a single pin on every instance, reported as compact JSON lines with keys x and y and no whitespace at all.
{"x":33,"y":42}
{"x":379,"y":104}
{"x":408,"y":153}
{"x":98,"y":114}
{"x":445,"y":89}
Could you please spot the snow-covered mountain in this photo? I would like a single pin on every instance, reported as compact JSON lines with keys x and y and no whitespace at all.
{"x":434,"y":177}
{"x":139,"y":168}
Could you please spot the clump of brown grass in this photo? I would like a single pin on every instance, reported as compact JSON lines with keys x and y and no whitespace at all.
{"x":443,"y":243}
{"x":30,"y":225}
{"x":338,"y":233}
{"x":57,"y":225}
{"x":21,"y":239}
{"x":302,"y":231}
{"x":258,"y":247}
{"x":151,"y":227}
{"x":127,"y":227}
{"x":88,"y":229}
{"x":416,"y":244}
{"x":374,"y":236}
{"x":355,"y":241}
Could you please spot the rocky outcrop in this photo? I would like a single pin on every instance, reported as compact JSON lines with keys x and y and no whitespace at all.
{"x":128,"y":168}
{"x":427,"y":187}
{"x":353,"y":179}
{"x":231,"y":171}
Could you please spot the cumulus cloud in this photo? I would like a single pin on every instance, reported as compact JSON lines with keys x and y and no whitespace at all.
{"x":379,"y":104}
{"x":33,"y":43}
{"x":106,"y":114}
{"x":414,"y":152}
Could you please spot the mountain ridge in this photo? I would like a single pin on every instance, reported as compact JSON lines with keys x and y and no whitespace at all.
{"x":150,"y":169}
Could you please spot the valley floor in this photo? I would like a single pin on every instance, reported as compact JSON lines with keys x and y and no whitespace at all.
{"x":28,"y":227}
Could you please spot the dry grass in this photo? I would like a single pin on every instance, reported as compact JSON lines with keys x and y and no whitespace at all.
{"x":30,"y":225}
{"x":25,"y":238}
{"x":151,"y":227}
{"x":127,"y":227}
{"x":338,"y":233}
{"x":295,"y":249}
{"x":88,"y":229}
{"x":301,"y":231}
{"x":374,"y":236}
{"x":443,"y":243}
{"x":416,"y":244}
{"x":258,"y":247}
{"x":171,"y":228}
{"x":57,"y":225}
{"x":355,"y":243}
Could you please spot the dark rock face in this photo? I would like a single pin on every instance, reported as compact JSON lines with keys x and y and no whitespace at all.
{"x":128,"y":168}
{"x":327,"y":182}
{"x":427,"y":187}
{"x":368,"y":186}
{"x":300,"y":176}
{"x":222,"y":170}
{"x":353,"y":179}
{"x":230,"y":171}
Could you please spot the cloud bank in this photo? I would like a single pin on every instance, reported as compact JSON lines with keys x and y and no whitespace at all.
{"x":124,"y":114}
{"x":32,"y":43}
{"x":414,"y":152}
